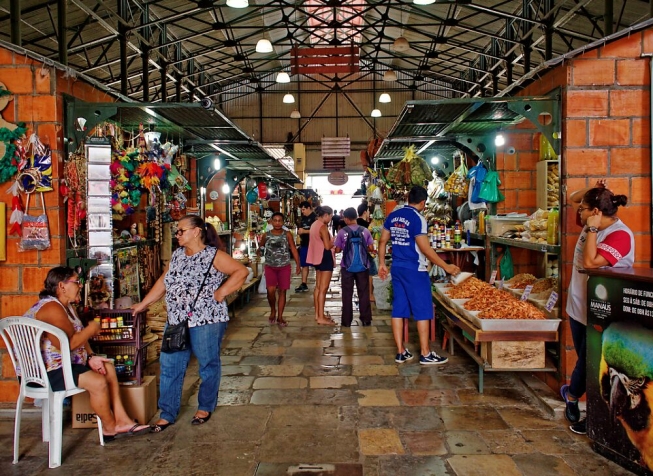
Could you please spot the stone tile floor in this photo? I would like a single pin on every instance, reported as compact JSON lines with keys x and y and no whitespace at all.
{"x":297,"y":399}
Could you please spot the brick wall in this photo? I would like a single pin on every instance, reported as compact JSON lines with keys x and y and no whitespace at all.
{"x":38,"y":102}
{"x":605,"y":134}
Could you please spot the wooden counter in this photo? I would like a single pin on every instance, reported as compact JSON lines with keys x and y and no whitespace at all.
{"x":510,"y":351}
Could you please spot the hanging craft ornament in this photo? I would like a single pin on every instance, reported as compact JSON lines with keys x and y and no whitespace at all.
{"x":262,"y":190}
{"x":252,"y":196}
{"x":16,"y":218}
{"x":9,"y":134}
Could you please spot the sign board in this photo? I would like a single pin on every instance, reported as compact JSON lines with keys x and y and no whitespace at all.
{"x":338,"y":177}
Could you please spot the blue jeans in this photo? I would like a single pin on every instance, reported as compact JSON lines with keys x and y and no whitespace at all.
{"x":205,"y":342}
{"x":578,"y":382}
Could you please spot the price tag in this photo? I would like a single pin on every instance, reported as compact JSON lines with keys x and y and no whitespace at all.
{"x":550,"y":304}
{"x":493,"y":276}
{"x":527,"y":292}
{"x":501,"y":284}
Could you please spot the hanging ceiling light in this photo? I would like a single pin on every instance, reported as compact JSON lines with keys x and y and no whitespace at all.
{"x":283,"y":77}
{"x":385,"y":97}
{"x":238,"y":3}
{"x":423,"y":2}
{"x":264,"y":46}
{"x":295,"y":114}
{"x":288,"y":99}
{"x":389,"y":75}
{"x":376,"y":113}
{"x":499,"y":140}
{"x":401,"y":44}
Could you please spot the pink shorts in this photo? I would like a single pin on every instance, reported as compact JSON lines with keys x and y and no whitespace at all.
{"x":277,"y":277}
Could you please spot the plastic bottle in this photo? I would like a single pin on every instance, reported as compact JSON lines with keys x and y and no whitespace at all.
{"x":457,"y":237}
{"x":552,"y":227}
{"x":481,"y":223}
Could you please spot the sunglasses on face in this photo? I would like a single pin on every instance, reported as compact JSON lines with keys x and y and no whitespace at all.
{"x":181,"y":231}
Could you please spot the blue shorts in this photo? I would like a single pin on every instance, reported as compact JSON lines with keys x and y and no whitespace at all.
{"x":411,"y":294}
{"x":303,"y":252}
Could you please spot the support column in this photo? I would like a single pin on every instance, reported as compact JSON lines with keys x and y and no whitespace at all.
{"x":146,"y":72}
{"x":14,"y":11}
{"x":62,"y":20}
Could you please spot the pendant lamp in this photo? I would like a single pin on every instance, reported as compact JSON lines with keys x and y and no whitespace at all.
{"x":295,"y":114}
{"x":288,"y":99}
{"x":376,"y":113}
{"x":389,"y":75}
{"x":401,"y":44}
{"x":283,"y":77}
{"x":264,"y":46}
{"x":238,"y":3}
{"x":384,"y":98}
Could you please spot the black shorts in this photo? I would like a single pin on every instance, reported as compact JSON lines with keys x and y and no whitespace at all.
{"x":55,"y":377}
{"x":327,"y":262}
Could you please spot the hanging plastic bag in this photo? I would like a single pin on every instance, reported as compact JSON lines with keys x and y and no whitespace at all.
{"x":506,"y":267}
{"x":457,"y":181}
{"x":490,"y":188}
{"x":35,"y":234}
{"x":262,"y":288}
{"x":476,"y":175}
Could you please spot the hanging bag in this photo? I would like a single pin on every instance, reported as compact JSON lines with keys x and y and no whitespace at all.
{"x":177,"y":337}
{"x":35,"y":234}
{"x":490,"y":188}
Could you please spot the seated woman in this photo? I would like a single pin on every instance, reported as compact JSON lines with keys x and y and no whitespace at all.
{"x":95,"y":374}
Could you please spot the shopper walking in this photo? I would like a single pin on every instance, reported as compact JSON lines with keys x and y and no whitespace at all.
{"x":356,"y":243}
{"x":321,"y":256}
{"x":195,"y":285}
{"x":279,"y":245}
{"x":407,"y":229}
{"x":604,"y":241}
{"x":335,"y":222}
{"x":364,"y":221}
{"x":91,"y":372}
{"x":307,"y":219}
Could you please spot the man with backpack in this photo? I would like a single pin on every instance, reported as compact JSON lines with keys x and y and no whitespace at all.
{"x":355,"y":242}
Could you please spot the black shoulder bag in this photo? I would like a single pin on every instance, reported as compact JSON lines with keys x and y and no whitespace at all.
{"x":177,"y":338}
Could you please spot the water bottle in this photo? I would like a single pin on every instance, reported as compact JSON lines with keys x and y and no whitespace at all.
{"x":552,"y":227}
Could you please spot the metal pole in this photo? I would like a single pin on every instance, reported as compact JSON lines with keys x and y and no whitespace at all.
{"x":14,"y":8}
{"x":62,"y":20}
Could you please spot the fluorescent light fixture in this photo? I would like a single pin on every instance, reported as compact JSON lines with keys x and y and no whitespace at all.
{"x":499,"y":140}
{"x":425,"y":146}
{"x":225,"y":188}
{"x":435,"y":159}
{"x":376,"y":113}
{"x":384,"y":98}
{"x":295,"y":114}
{"x":264,"y":46}
{"x":423,"y":2}
{"x":389,"y":75}
{"x":288,"y":99}
{"x":283,"y":77}
{"x":238,"y":3}
{"x":203,"y":191}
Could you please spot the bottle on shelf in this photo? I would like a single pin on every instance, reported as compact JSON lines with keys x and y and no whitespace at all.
{"x":457,"y":236}
{"x":552,"y":227}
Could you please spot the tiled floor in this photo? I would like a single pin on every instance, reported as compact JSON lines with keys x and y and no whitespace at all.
{"x":314,"y":400}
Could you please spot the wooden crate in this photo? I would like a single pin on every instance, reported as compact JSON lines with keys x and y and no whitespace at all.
{"x":516,"y":354}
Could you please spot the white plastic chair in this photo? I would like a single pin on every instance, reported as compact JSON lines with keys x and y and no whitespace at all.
{"x":23,"y":335}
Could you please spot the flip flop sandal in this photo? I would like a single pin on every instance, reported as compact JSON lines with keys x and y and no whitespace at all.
{"x":282,"y":323}
{"x":200,"y":420}
{"x":131,"y":432}
{"x":272,"y":321}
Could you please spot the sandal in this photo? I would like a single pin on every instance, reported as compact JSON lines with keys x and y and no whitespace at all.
{"x":282,"y":323}
{"x":200,"y":420}
{"x":159,"y":427}
{"x":272,"y":321}
{"x":131,"y":432}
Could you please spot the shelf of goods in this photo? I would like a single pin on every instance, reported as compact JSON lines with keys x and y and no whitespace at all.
{"x":508,"y":343}
{"x":121,"y":339}
{"x":548,"y":184}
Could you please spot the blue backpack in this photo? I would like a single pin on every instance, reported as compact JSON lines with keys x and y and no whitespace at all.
{"x":354,"y":257}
